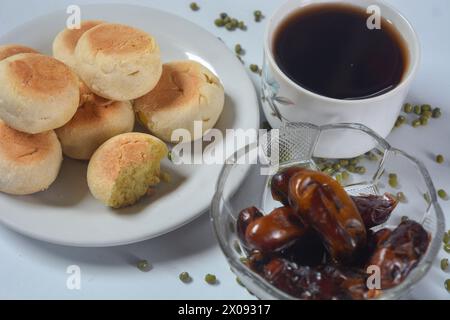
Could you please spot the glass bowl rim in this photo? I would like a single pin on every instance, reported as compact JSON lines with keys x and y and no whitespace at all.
{"x":395,"y":293}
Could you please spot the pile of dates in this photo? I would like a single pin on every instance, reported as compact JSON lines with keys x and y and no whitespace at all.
{"x":320,"y":244}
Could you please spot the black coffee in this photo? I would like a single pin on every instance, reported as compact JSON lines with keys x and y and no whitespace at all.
{"x":328,"y":49}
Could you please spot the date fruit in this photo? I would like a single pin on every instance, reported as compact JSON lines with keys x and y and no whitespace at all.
{"x":400,"y":252}
{"x":275,"y":231}
{"x":246,"y":217}
{"x":375,"y":210}
{"x":280,"y":184}
{"x":324,"y":205}
{"x":303,"y":282}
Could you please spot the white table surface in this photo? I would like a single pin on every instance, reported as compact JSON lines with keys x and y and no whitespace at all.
{"x":33,"y":270}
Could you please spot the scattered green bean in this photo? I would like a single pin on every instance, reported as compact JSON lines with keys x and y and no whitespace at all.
{"x":437,"y":113}
{"x":344,"y":162}
{"x":185,"y":277}
{"x":393,"y":176}
{"x":258,"y":15}
{"x":444,"y":264}
{"x":417,"y":110}
{"x":219,"y":22}
{"x":229,"y":26}
{"x":423,"y":121}
{"x":416,"y":123}
{"x":442,"y":194}
{"x":361,"y":170}
{"x":447,"y":248}
{"x":393,"y":183}
{"x":428,"y":114}
{"x":211,"y":279}
{"x":238,"y":49}
{"x":401,"y":120}
{"x":194,"y":6}
{"x":408,"y":108}
{"x":254,"y":68}
{"x":440,"y":159}
{"x":447,"y":285}
{"x":425,"y":107}
{"x":446,"y":239}
{"x":144,"y":266}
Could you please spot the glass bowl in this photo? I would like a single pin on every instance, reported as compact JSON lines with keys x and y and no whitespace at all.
{"x":300,"y":144}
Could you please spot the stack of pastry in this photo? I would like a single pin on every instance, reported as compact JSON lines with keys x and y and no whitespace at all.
{"x":80,"y":103}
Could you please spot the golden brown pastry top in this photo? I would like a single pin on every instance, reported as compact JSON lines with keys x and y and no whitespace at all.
{"x":24,"y":148}
{"x":128,"y":150}
{"x":10,"y":50}
{"x":117,"y":39}
{"x":71,"y":36}
{"x":37,"y":74}
{"x":178,"y":87}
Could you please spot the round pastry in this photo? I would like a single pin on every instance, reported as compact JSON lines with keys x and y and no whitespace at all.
{"x":37,"y":93}
{"x":28,"y":163}
{"x":123,"y":169}
{"x":118,"y":62}
{"x":10,"y":50}
{"x":66,"y":41}
{"x":187,"y":92}
{"x":86,"y":95}
{"x":92,"y":125}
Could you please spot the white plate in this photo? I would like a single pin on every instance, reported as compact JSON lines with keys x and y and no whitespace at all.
{"x":66,"y":213}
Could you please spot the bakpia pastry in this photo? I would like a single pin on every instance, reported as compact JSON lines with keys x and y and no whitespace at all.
{"x":187,"y":92}
{"x":66,"y":41}
{"x":10,"y":50}
{"x":93,"y":125}
{"x":37,"y":93}
{"x":123,"y":169}
{"x":118,"y":62}
{"x":28,"y":163}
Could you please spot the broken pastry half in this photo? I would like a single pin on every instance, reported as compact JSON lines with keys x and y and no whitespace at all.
{"x":125,"y":167}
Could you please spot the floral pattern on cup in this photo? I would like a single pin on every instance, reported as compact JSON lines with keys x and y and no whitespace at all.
{"x":270,"y":93}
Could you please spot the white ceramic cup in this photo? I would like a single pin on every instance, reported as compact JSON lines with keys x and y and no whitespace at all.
{"x":286,"y":101}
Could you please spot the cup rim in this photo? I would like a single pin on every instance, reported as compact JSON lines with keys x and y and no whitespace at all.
{"x":414,"y":65}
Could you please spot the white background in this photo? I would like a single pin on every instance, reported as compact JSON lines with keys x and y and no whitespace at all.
{"x":33,"y":270}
